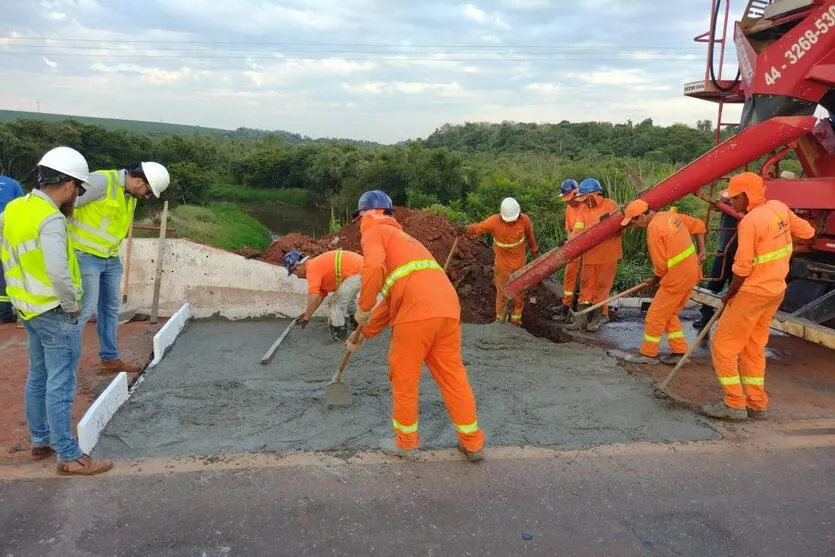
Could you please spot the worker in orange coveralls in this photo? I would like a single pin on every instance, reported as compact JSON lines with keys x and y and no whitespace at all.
{"x":573,"y":225}
{"x":760,"y":267}
{"x":420,"y":303}
{"x":512,"y":232}
{"x":599,"y":263}
{"x":677,"y":265}
{"x":336,"y":271}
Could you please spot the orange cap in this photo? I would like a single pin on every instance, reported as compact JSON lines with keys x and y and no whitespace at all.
{"x":747,"y":182}
{"x":637,"y":207}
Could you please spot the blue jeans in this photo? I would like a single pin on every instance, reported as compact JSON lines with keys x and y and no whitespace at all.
{"x":54,"y":349}
{"x":101,"y":279}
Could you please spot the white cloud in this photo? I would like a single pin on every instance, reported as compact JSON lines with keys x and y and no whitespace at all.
{"x":545,"y":88}
{"x":406,"y":88}
{"x":50,"y":63}
{"x":56,"y":16}
{"x":471,"y":11}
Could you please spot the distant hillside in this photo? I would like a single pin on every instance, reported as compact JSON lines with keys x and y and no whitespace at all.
{"x":160,"y":128}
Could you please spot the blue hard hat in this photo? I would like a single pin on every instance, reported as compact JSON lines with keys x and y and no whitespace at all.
{"x":374,"y":199}
{"x":590,"y":185}
{"x":292,"y":259}
{"x":568,"y":186}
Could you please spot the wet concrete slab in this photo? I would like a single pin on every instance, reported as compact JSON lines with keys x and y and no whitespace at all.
{"x":210,"y":394}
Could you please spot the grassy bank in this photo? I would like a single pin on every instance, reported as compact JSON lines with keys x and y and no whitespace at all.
{"x":220,"y":225}
{"x":290,"y":196}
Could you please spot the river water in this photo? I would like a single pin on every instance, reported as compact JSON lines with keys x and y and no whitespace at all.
{"x":284,"y":219}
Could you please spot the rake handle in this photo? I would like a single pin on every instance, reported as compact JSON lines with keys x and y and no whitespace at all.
{"x":702,"y":334}
{"x":613,"y":298}
{"x":451,"y":252}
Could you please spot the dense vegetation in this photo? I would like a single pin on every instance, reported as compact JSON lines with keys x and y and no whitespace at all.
{"x":461,"y":171}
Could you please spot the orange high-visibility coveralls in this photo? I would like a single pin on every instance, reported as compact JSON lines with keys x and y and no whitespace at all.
{"x":601,"y":262}
{"x":762,"y":257}
{"x":676,"y":263}
{"x":423,"y":309}
{"x":573,"y":225}
{"x":509,"y":241}
{"x":326,"y":272}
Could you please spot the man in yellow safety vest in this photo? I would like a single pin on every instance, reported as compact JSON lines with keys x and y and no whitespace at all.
{"x":44,"y":285}
{"x":103,"y":216}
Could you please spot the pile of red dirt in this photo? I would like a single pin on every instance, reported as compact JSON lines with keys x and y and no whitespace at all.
{"x":471,"y":268}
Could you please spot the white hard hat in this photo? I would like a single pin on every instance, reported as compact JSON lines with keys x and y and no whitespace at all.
{"x":510,"y":209}
{"x":157,"y":176}
{"x":66,"y":160}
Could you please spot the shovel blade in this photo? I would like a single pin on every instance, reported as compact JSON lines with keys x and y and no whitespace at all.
{"x":338,"y":394}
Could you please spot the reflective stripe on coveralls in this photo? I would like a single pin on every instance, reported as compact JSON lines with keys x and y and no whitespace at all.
{"x":407,"y":269}
{"x":673,"y":261}
{"x":774,"y":255}
{"x":338,"y":268}
{"x":509,"y":246}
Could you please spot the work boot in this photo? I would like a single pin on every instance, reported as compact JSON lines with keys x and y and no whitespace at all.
{"x":339,"y":333}
{"x":389,"y":446}
{"x":640,"y":359}
{"x":40,"y":453}
{"x":703,"y":319}
{"x":115,"y":366}
{"x":672,"y":359}
{"x":593,"y":324}
{"x":516,"y":322}
{"x":473,"y":456}
{"x":722,"y":411}
{"x":757,"y":414}
{"x":604,"y":319}
{"x":84,"y":466}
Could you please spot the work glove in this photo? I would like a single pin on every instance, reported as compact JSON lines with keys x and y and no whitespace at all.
{"x":460,"y":229}
{"x":653,"y":281}
{"x":301,"y":321}
{"x":362,"y":317}
{"x":351,"y":345}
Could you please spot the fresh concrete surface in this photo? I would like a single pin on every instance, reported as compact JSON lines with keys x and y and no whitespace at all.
{"x":735,"y":503}
{"x":210,"y":395}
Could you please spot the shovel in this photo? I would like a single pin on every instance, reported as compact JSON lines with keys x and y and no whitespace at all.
{"x":337,"y":392}
{"x":660,"y":389}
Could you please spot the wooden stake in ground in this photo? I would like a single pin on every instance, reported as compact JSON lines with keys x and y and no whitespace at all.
{"x":160,"y":254}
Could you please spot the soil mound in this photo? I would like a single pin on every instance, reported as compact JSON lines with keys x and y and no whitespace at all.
{"x":471,"y":268}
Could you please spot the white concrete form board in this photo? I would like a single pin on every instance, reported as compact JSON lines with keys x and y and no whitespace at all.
{"x":117,"y":393}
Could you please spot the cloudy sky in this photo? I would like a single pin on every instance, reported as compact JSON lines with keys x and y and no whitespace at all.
{"x":382,"y":70}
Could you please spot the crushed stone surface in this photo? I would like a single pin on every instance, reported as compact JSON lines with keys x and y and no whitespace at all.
{"x":210,"y":394}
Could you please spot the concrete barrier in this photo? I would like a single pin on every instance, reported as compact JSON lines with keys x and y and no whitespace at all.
{"x":213,"y":281}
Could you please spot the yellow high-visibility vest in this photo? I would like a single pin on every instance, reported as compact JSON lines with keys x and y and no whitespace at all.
{"x":100,"y":226}
{"x":27,"y":282}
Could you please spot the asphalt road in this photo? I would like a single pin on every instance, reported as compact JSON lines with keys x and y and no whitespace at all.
{"x":735,"y":502}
